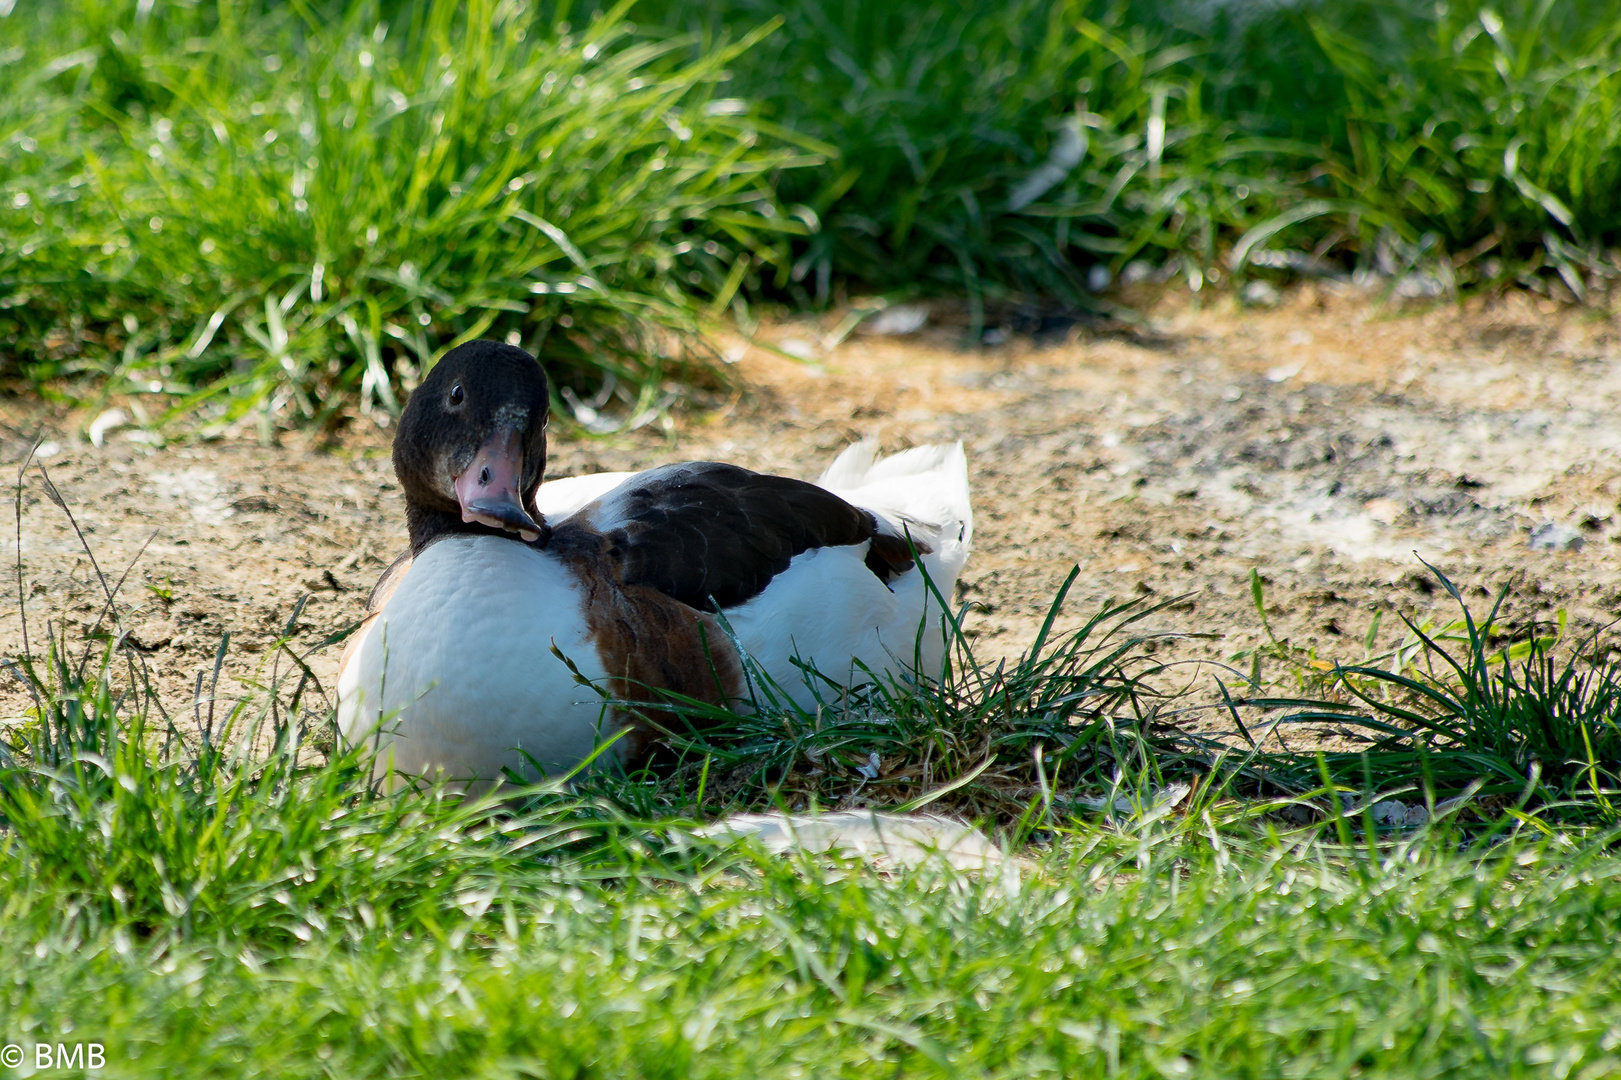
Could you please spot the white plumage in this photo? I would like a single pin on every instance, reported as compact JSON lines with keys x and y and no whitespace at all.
{"x":454,"y":676}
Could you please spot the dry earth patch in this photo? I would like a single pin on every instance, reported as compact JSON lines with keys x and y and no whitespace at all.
{"x":1322,"y":443}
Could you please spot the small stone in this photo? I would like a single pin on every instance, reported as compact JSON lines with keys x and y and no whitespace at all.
{"x":1419,"y":285}
{"x":1136,"y":271}
{"x":1260,"y":294}
{"x":1417,"y":814}
{"x":897,"y":321}
{"x":1384,"y":511}
{"x":1389,"y":812}
{"x":994,"y":336}
{"x":1296,"y":814}
{"x":1551,"y":536}
{"x":1098,"y":277}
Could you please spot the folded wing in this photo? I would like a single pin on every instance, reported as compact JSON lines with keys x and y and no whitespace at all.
{"x":714,"y":535}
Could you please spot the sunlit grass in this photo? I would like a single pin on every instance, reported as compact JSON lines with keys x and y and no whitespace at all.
{"x":1529,"y":719}
{"x":1006,"y":149}
{"x":1131,"y":952}
{"x":1000,"y":740}
{"x":214,"y":890}
{"x":297,"y":211}
{"x":1002,"y":150}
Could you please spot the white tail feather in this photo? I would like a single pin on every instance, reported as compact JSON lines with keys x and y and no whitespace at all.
{"x":851,"y":466}
{"x":829,"y":610}
{"x":924,"y":489}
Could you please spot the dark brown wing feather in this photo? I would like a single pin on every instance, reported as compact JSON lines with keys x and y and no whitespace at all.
{"x":714,"y":535}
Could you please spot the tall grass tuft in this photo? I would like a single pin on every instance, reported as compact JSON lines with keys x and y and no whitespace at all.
{"x":1474,"y":141}
{"x":1018,"y":151}
{"x":1002,"y":150}
{"x":1001,"y":741}
{"x":289,"y":210}
{"x":1534,"y":722}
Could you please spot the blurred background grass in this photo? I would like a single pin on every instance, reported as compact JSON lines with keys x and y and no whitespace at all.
{"x":295,"y":207}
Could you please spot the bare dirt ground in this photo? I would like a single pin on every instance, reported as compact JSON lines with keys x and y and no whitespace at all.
{"x":1322,"y":443}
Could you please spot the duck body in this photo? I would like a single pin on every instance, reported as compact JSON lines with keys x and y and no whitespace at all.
{"x":487,"y":653}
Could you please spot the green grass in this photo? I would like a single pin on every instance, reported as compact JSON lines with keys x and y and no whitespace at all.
{"x":297,"y":210}
{"x":337,"y":932}
{"x":1486,"y":718}
{"x":214,"y":895}
{"x":1473,"y":143}
{"x":294,"y":208}
{"x":1476,"y":139}
{"x":1529,"y":719}
{"x":1258,"y":962}
{"x":974,"y":738}
{"x":1001,"y":149}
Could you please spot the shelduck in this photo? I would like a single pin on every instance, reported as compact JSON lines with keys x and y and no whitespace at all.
{"x":453,"y":672}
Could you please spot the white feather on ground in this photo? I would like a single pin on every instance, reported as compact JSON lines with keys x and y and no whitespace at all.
{"x":902,"y":840}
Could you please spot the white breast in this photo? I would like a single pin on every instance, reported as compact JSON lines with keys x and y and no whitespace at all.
{"x":455,"y":676}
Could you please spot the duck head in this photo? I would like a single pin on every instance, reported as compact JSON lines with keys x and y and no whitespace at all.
{"x":470,"y":449}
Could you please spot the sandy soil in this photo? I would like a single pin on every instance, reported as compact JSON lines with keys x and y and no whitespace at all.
{"x":1327,"y":443}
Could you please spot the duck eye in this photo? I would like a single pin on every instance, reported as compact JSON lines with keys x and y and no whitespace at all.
{"x":456,"y":394}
